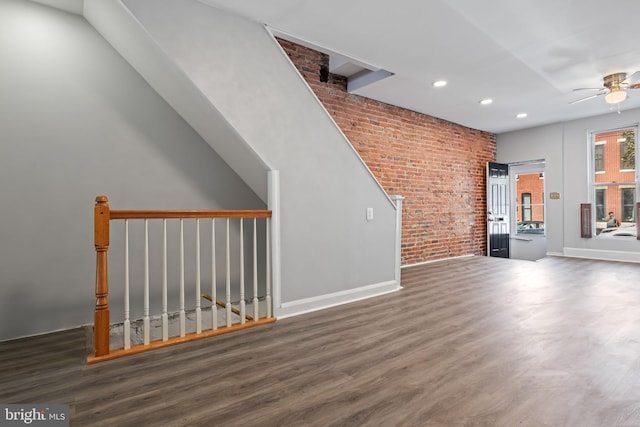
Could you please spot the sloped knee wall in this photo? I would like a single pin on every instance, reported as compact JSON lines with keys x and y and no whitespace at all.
{"x":328,"y":245}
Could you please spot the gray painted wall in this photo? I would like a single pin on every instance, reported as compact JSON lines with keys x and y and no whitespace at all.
{"x":565,"y":147}
{"x":327,"y":244}
{"x":535,"y":144}
{"x":77,"y":121}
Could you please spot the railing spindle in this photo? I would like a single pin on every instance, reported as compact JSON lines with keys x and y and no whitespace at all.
{"x":243,"y":304}
{"x":256,"y":311}
{"x":214,"y":305}
{"x":146,"y":321}
{"x":198,"y":297}
{"x":183,"y":316}
{"x":228,"y":282}
{"x":126,"y":327}
{"x":165,"y":285}
{"x":268,"y":268}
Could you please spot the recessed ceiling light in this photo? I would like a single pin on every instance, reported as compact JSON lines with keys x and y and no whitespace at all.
{"x":486,"y":101}
{"x":440,"y":83}
{"x":521,"y":115}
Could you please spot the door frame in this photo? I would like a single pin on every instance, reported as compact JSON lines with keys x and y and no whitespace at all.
{"x":497,"y":209}
{"x":526,"y":246}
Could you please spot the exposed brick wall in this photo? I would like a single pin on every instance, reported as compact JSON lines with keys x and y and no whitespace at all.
{"x":438,"y":166}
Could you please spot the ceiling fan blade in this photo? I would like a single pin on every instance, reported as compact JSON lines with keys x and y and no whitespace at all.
{"x":632,"y":79}
{"x":586,"y":98}
{"x":635,"y":86}
{"x":587,"y":88}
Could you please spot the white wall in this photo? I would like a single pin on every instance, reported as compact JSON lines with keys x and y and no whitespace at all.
{"x":77,"y":121}
{"x":565,"y":147}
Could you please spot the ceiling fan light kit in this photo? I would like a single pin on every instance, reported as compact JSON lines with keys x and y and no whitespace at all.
{"x":615,"y":96}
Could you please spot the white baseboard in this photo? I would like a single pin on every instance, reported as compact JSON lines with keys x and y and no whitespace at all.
{"x":555,"y":254}
{"x":437,"y":260}
{"x":606,"y":255}
{"x":307,"y":305}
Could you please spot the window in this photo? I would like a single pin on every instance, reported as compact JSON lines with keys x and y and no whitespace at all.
{"x":530,"y":203}
{"x":526,"y":206}
{"x":601,"y":214}
{"x":628,"y":203}
{"x":614,"y":184}
{"x":599,"y":157}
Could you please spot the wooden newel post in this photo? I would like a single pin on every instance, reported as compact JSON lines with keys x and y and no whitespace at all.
{"x":101,"y":240}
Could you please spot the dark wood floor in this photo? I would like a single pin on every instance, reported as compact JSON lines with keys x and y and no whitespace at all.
{"x":468,"y":342}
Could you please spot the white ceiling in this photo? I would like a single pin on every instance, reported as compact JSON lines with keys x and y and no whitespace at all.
{"x":527,"y":55}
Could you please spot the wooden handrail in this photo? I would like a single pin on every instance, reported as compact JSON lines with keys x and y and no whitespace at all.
{"x":159,"y":214}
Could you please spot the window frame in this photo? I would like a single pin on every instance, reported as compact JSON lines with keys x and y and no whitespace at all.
{"x":598,"y":155}
{"x":536,"y":228}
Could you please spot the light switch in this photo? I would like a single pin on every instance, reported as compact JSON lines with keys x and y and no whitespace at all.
{"x":369,"y":214}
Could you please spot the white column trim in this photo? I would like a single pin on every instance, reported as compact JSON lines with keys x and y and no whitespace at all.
{"x":397,"y":200}
{"x":273,"y":204}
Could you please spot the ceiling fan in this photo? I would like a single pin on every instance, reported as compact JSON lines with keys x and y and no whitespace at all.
{"x":614,"y":88}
